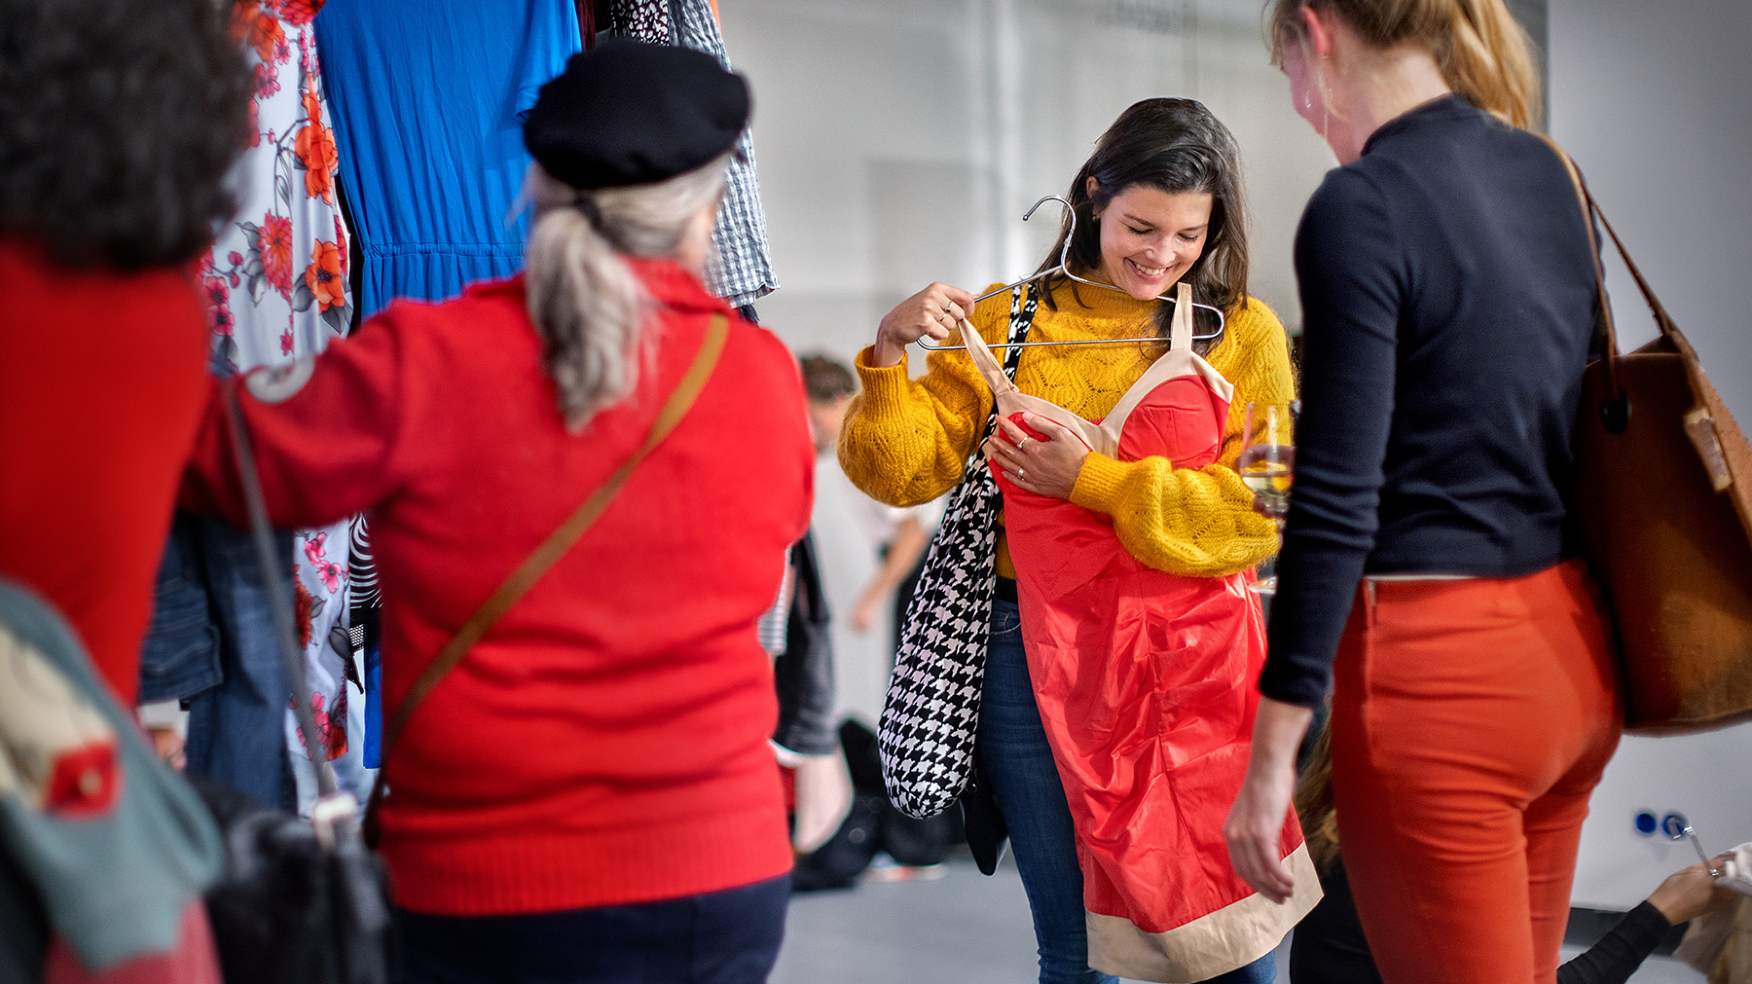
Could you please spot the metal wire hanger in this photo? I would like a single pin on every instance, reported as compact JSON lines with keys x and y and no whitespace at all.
{"x":1064,"y":254}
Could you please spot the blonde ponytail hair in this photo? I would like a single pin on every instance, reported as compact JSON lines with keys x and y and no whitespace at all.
{"x":588,"y":305}
{"x":1480,"y":48}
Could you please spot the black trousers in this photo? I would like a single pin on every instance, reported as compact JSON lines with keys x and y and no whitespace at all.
{"x":728,"y":937}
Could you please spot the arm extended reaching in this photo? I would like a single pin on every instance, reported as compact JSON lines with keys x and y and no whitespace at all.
{"x":904,"y":553}
{"x":327,"y":433}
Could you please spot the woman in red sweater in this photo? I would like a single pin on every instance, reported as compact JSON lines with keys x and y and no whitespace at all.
{"x":589,"y":795}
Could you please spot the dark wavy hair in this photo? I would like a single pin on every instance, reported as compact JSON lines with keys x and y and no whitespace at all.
{"x":119,"y":120}
{"x":1176,"y":146}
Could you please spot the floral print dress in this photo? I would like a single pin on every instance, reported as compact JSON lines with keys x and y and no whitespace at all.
{"x":277,"y":290}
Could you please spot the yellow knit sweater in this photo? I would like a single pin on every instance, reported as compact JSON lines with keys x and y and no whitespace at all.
{"x":904,"y":440}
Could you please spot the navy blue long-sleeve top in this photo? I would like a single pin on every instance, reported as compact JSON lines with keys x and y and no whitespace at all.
{"x":1448,"y":299}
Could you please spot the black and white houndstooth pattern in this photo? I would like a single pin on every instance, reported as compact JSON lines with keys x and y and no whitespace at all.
{"x":931,"y":715}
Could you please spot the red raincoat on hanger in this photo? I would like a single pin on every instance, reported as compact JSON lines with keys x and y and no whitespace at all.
{"x":1145,"y":684}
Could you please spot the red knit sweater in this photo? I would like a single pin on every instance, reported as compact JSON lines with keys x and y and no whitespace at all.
{"x":607,"y":742}
{"x":102,"y":380}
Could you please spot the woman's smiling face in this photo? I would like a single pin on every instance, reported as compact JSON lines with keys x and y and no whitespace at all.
{"x":1150,"y":238}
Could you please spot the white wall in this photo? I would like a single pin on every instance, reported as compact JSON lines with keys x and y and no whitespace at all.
{"x":899,"y":141}
{"x":1654,"y":101}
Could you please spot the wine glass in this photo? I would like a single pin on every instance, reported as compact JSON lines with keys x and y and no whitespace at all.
{"x":1267,"y":466}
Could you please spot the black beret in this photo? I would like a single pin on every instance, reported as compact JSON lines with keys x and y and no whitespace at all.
{"x":627,"y":113}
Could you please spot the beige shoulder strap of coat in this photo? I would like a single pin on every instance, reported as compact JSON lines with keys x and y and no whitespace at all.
{"x":1180,"y":329}
{"x":984,"y":360}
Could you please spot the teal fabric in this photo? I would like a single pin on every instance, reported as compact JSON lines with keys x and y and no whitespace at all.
{"x":115,"y":885}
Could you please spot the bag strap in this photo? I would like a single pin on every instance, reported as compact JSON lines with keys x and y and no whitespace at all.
{"x":1592,"y":207}
{"x":1591,"y":210}
{"x":1607,"y":326}
{"x":681,"y":399}
{"x":279,"y":604}
{"x":1711,"y":426}
{"x":1021,"y":319}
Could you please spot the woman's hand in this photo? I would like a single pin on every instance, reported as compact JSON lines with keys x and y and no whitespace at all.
{"x":931,"y":312}
{"x":1256,"y":822}
{"x":1690,"y":892}
{"x":864,"y":613}
{"x":1048,"y":467}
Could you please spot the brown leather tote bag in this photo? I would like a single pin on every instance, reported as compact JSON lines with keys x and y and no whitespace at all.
{"x":1664,"y":493}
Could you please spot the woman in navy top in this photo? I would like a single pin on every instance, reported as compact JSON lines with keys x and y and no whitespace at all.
{"x":1448,"y":302}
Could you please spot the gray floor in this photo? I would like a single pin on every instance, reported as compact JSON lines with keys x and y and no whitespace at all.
{"x":961,"y":929}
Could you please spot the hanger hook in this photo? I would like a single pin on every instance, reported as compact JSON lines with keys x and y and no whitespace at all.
{"x":1070,"y":212}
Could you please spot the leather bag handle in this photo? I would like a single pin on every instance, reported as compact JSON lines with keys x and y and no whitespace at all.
{"x":1711,"y":428}
{"x":1591,"y":210}
{"x":1607,"y":326}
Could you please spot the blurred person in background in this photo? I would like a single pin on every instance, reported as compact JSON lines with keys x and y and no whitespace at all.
{"x":118,"y":124}
{"x":866,"y":549}
{"x":589,"y":795}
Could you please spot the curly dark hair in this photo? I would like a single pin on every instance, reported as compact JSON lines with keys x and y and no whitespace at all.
{"x":119,"y":120}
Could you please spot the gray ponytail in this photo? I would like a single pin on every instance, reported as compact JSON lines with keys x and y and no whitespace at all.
{"x":587,"y":304}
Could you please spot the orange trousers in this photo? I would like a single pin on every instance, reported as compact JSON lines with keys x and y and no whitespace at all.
{"x":1470,"y":722}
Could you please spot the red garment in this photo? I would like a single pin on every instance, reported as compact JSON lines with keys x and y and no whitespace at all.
{"x":1144,"y":680}
{"x":1471,"y":719}
{"x":607,"y":742}
{"x":192,"y":961}
{"x":102,"y":380}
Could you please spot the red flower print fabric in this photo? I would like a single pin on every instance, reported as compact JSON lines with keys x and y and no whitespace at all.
{"x":277,"y":289}
{"x":275,"y":242}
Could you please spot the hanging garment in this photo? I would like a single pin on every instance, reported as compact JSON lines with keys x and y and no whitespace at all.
{"x":803,"y":671}
{"x":429,"y":125}
{"x":1144,"y":681}
{"x":740,"y":269}
{"x":236,"y":733}
{"x":276,"y":278}
{"x":428,"y":113}
{"x":277,"y":289}
{"x":641,"y":20}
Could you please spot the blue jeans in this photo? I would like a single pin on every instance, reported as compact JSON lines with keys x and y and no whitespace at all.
{"x":212,"y":644}
{"x":1025,"y":782}
{"x":728,"y":937}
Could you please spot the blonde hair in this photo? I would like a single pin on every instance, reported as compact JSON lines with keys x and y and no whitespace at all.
{"x":588,"y":306}
{"x":1480,"y":48}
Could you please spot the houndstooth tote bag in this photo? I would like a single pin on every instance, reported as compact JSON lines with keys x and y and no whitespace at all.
{"x":931,"y":715}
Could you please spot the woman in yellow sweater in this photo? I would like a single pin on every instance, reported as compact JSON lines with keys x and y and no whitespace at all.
{"x":1158,"y":203}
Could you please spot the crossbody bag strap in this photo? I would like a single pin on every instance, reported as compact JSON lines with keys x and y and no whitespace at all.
{"x":279,"y":596}
{"x":681,"y":399}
